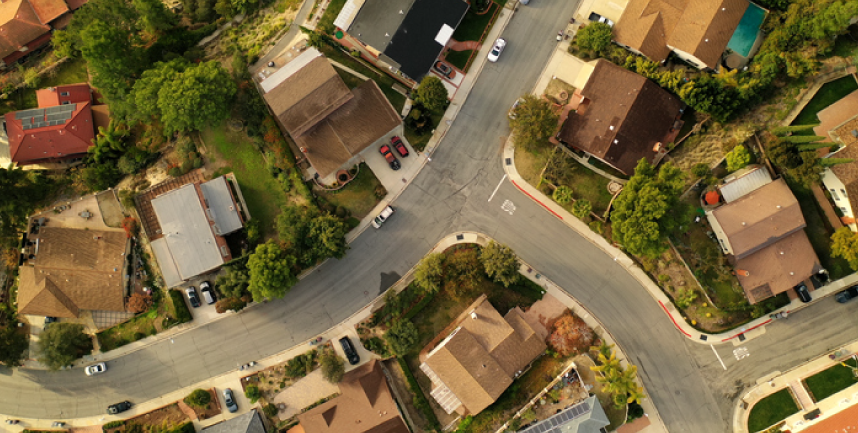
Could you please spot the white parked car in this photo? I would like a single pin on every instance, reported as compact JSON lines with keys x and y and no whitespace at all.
{"x":95,"y":369}
{"x":497,"y":49}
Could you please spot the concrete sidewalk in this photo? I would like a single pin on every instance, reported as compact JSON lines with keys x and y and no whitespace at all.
{"x":792,"y":379}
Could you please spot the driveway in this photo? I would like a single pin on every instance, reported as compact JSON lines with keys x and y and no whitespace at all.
{"x":393,"y":180}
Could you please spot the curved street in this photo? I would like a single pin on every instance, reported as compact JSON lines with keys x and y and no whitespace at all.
{"x":683,"y":378}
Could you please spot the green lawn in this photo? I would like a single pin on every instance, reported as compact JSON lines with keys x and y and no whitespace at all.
{"x":458,"y":59}
{"x":326,"y":23}
{"x":831,"y":381}
{"x":350,"y":80}
{"x":473,"y":25}
{"x":588,"y":185}
{"x":771,"y":410}
{"x":263,"y":193}
{"x":384,"y":81}
{"x":819,"y":232}
{"x":70,"y":72}
{"x":143,"y":325}
{"x":358,"y":197}
{"x":828,"y":94}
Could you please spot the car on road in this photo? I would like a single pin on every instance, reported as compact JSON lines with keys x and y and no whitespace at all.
{"x":846,"y":295}
{"x":497,"y":49}
{"x":388,"y":156}
{"x":192,"y":296}
{"x":92,"y":370}
{"x":208,"y":292}
{"x":399,"y":146}
{"x":803,"y":293}
{"x":349,"y":350}
{"x":444,"y":69}
{"x":120,"y":407}
{"x":382,"y":217}
{"x":229,"y":400}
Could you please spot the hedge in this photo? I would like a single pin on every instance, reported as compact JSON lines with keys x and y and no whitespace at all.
{"x":420,"y":401}
{"x":182,"y":313}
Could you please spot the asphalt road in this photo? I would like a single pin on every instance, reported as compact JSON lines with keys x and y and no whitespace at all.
{"x":685,"y":380}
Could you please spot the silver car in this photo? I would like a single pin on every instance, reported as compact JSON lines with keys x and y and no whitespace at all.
{"x":229,"y":401}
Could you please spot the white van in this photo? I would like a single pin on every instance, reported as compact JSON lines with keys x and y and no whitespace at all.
{"x":382,"y":217}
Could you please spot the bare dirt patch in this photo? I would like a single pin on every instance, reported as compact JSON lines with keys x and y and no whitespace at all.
{"x":158,"y":420}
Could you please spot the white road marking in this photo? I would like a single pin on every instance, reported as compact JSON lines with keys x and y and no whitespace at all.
{"x":497,"y":188}
{"x":718,"y":356}
{"x":741,"y":353}
{"x":508,"y":206}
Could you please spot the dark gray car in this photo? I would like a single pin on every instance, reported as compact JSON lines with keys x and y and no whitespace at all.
{"x":847,"y":294}
{"x":229,"y":400}
{"x":349,"y":350}
{"x":114,"y":409}
{"x":803,"y":293}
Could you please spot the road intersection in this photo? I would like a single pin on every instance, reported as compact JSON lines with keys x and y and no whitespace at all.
{"x":461,"y":189}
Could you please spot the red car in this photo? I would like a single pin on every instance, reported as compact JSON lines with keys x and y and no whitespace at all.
{"x":397,"y":143}
{"x":388,"y":156}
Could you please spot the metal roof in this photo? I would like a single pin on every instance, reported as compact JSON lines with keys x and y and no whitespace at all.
{"x":744,"y":182}
{"x":187,"y":232}
{"x":166,"y":263}
{"x":221,"y":206}
{"x":584,"y":417}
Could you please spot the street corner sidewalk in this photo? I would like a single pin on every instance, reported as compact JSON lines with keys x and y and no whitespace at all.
{"x":792,"y":379}
{"x":654,"y":290}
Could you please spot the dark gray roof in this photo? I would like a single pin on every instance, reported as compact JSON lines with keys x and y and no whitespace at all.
{"x":414,"y":46}
{"x":378,"y":20}
{"x":221,"y":204}
{"x":187,"y":234}
{"x":250,"y":422}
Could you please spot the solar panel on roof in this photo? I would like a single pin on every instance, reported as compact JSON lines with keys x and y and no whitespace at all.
{"x":34,"y":112}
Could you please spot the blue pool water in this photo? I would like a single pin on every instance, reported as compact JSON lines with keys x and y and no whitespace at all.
{"x":746,"y":33}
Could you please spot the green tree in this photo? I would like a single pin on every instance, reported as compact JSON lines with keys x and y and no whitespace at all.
{"x":830,"y":162}
{"x":196,"y":98}
{"x":594,"y":37}
{"x":110,"y":143}
{"x":252,"y":392}
{"x":642,"y":212}
{"x":271,"y":272}
{"x":532,"y":122}
{"x":844,"y":243}
{"x":234,"y":282}
{"x":21,"y":192}
{"x":737,"y":158}
{"x":118,"y":14}
{"x":429,"y":273}
{"x":154,"y":16}
{"x":62,"y":343}
{"x":562,"y":194}
{"x":581,"y":209}
{"x":402,"y":337}
{"x":781,"y":131}
{"x":145,"y":91}
{"x":813,"y":146}
{"x":99,"y":177}
{"x":12,"y":344}
{"x":112,"y":62}
{"x":463,"y":272}
{"x":431,"y":93}
{"x":500,"y":263}
{"x":332,"y":366}
{"x":292,"y":225}
{"x":799,"y":139}
{"x":198,"y":398}
{"x":326,"y":237}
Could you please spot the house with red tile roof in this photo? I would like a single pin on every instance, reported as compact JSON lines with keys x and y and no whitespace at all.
{"x":61,"y":129}
{"x":26,"y":25}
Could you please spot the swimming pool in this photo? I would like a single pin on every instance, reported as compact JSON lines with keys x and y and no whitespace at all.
{"x":746,"y":33}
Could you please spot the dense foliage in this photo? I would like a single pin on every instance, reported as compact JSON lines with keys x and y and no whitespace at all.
{"x":431,"y":93}
{"x":61,"y":343}
{"x":532,"y":122}
{"x":500,"y":263}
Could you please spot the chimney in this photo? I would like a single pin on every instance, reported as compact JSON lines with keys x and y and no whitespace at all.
{"x":474,"y":315}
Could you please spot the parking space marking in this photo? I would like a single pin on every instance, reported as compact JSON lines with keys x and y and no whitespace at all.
{"x":508,"y":206}
{"x":741,"y":353}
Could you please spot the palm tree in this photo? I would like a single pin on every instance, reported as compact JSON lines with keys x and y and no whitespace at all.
{"x":110,"y":142}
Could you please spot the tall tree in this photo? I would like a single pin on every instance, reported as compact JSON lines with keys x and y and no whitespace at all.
{"x":326,"y":237}
{"x":532,"y":121}
{"x":112,"y":62}
{"x":781,"y":131}
{"x":154,"y":16}
{"x":234,"y":282}
{"x":62,"y":343}
{"x":500,"y":263}
{"x":271,"y":272}
{"x":12,"y":345}
{"x":429,"y":273}
{"x":198,"y":97}
{"x":594,"y":37}
{"x":431,"y":93}
{"x":145,"y":93}
{"x":118,"y":14}
{"x":332,"y":366}
{"x":401,"y":337}
{"x":844,"y":243}
{"x":21,"y":192}
{"x":642,"y":212}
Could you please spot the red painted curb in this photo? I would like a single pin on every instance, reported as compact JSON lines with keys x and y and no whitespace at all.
{"x":536,"y":200}
{"x":749,"y":329}
{"x":673,"y":320}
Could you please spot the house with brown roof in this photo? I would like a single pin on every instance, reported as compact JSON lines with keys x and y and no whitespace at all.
{"x":621,"y":118}
{"x":472,"y":366}
{"x":365,"y":405}
{"x":26,"y":25}
{"x":762,"y":234}
{"x":187,"y":220}
{"x":58,"y":132}
{"x":330,"y":124}
{"x":839,"y":123}
{"x":70,"y":270}
{"x":697,"y":31}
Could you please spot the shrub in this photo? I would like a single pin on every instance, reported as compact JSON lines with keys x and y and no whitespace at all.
{"x":562,"y":194}
{"x":700,"y":170}
{"x":376,"y":345}
{"x":581,"y":209}
{"x":420,"y":402}
{"x":685,"y":297}
{"x":113,"y":424}
{"x":198,"y":398}
{"x":571,"y":335}
{"x":300,"y":365}
{"x":269,"y":410}
{"x":230,"y":304}
{"x":182,"y":313}
{"x":596,"y":226}
{"x":737,"y":158}
{"x":252,"y":392}
{"x":332,"y":367}
{"x":139,"y":302}
{"x":402,"y":337}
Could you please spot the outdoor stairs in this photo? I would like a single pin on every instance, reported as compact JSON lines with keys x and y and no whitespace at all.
{"x":801,"y":395}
